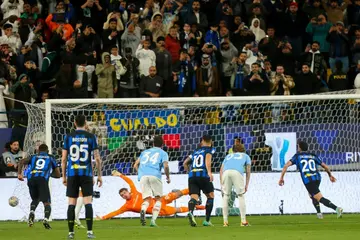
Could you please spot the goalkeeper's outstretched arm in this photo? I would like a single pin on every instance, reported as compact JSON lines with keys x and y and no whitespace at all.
{"x":115,"y":213}
{"x":126,"y":179}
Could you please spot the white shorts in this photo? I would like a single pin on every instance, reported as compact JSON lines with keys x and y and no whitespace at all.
{"x":151,"y":186}
{"x":232,"y":178}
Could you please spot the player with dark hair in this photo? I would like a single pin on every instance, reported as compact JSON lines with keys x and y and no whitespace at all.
{"x":40,"y":167}
{"x":307,"y":164}
{"x":77,"y":172}
{"x":200,"y":178}
{"x":149,"y":166}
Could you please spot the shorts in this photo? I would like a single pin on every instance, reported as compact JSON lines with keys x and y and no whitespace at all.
{"x":232,"y":178}
{"x":151,"y":186}
{"x":39,"y":189}
{"x":313,"y":187}
{"x":74,"y":183}
{"x":200,"y":183}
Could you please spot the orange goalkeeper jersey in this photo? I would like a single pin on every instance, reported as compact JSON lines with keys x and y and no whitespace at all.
{"x":133,"y":204}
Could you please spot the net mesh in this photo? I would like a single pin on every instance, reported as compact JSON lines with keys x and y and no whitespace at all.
{"x":268,"y":129}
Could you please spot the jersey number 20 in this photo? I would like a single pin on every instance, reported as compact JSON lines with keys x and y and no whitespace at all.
{"x":76,"y":152}
{"x":308,"y":165}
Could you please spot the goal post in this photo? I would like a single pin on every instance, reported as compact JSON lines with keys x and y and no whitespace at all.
{"x":269,"y":127}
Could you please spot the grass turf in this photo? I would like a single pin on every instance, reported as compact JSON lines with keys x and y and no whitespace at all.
{"x":287,"y":227}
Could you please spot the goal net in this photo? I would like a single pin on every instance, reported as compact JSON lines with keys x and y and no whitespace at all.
{"x":268,"y":126}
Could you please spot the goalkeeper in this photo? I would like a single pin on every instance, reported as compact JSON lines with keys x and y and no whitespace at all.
{"x":134,"y":200}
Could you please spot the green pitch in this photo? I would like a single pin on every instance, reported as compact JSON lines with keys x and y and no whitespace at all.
{"x":295,"y":227}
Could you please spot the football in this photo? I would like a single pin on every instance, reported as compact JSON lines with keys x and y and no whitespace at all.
{"x":13,"y":201}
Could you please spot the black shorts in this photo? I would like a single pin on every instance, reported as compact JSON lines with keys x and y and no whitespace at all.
{"x":74,"y":183}
{"x":313,"y":187}
{"x":200,"y":183}
{"x":39,"y":189}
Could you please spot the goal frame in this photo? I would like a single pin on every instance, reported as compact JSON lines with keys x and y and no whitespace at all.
{"x":190,"y":100}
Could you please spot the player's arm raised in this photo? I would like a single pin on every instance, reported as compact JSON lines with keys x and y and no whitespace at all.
{"x":287,"y":165}
{"x":22,"y":163}
{"x":208,"y":158}
{"x":327,"y":169}
{"x":98,"y":166}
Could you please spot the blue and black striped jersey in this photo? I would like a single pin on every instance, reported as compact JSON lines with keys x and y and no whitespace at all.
{"x":41,"y":165}
{"x":307,"y":163}
{"x":80,"y":145}
{"x":198,"y":163}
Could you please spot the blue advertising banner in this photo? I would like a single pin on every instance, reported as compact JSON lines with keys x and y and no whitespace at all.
{"x":119,"y":123}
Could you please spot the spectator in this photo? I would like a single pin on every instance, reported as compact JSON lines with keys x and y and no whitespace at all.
{"x":58,"y":21}
{"x":280,"y":83}
{"x":11,"y":157}
{"x":187,"y":38}
{"x":195,"y":16}
{"x":334,"y":12}
{"x":338,"y":80}
{"x":151,"y":86}
{"x":85,"y":72}
{"x":130,"y":39}
{"x":172,"y":44}
{"x":306,"y":82}
{"x":208,"y":79}
{"x":212,"y":36}
{"x":294,"y":28}
{"x":268,"y":46}
{"x":163,"y":62}
{"x":107,"y":83}
{"x":257,"y":83}
{"x":12,"y":7}
{"x":286,"y":57}
{"x":315,"y":60}
{"x":318,"y":28}
{"x":352,"y":12}
{"x":115,"y":61}
{"x":313,"y":8}
{"x":129,"y":82}
{"x":23,"y":91}
{"x":228,"y":53}
{"x":240,"y":70}
{"x":339,"y":44}
{"x":156,"y":26}
{"x":146,"y":57}
{"x":256,"y":30}
{"x":111,"y":35}
{"x":257,"y":10}
{"x":355,"y":47}
{"x":10,"y":39}
{"x":184,"y":82}
{"x":268,"y":69}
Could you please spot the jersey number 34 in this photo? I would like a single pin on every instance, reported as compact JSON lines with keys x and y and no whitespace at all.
{"x":146,"y":158}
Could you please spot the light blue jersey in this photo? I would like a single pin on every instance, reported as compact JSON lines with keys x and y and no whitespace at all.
{"x":236,"y":161}
{"x":151,"y":162}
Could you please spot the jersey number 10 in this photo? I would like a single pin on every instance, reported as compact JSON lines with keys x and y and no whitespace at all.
{"x":198,"y":161}
{"x":79,"y":152}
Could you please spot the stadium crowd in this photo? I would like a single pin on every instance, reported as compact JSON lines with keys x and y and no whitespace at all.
{"x":183,"y":48}
{"x":116,"y":48}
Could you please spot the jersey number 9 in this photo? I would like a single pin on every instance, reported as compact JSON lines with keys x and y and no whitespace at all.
{"x":79,"y":152}
{"x":198,"y":161}
{"x":40,"y":164}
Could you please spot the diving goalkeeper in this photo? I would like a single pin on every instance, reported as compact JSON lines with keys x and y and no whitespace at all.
{"x":134,"y":200}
